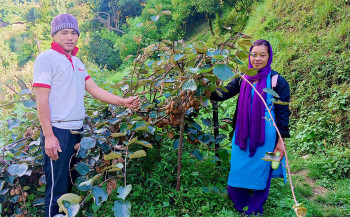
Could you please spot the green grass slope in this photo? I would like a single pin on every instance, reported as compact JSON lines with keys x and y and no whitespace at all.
{"x":310,"y":39}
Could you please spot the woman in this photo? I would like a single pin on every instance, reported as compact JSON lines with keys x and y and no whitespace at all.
{"x":250,"y":177}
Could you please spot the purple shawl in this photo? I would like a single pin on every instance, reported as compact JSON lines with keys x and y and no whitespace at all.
{"x":250,"y":121}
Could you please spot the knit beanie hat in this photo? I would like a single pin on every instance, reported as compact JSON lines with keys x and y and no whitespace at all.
{"x":64,"y":21}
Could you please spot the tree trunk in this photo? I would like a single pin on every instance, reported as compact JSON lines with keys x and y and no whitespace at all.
{"x":210,"y":25}
{"x":38,"y":44}
{"x":216,"y":128}
{"x":179,"y":154}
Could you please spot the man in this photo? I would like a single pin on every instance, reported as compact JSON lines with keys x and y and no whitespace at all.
{"x":60,"y":81}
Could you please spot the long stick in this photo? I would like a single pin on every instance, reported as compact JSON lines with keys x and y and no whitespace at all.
{"x":279,"y":134}
{"x":179,"y":155}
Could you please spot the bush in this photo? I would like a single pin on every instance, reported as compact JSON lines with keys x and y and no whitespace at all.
{"x":101,"y":49}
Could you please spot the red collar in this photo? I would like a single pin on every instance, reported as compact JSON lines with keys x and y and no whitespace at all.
{"x":59,"y":49}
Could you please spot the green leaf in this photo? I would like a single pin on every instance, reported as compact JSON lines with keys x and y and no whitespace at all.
{"x":224,"y":154}
{"x":242,"y":55}
{"x":220,"y":138}
{"x":26,"y":188}
{"x":281,"y":103}
{"x":4,"y":191}
{"x":11,"y":106}
{"x":31,"y":197}
{"x":237,"y":61}
{"x":151,"y":28}
{"x":153,"y":115}
{"x":200,"y":47}
{"x":132,"y":141}
{"x":29,"y":103}
{"x":124,"y":192}
{"x":205,"y":190}
{"x":249,"y":72}
{"x":87,"y":183}
{"x":112,"y":155}
{"x":223,"y":72}
{"x":197,"y":154}
{"x":87,"y":143}
{"x":158,"y":7}
{"x":152,"y":11}
{"x":12,"y":123}
{"x":165,"y":13}
{"x":121,"y":209}
{"x":116,"y":135}
{"x":145,"y":143}
{"x":39,"y":202}
{"x":245,"y":44}
{"x":136,"y":118}
{"x":271,"y":92}
{"x":227,"y":37}
{"x":300,"y":210}
{"x":270,"y":156}
{"x":206,"y":122}
{"x":151,"y":130}
{"x":190,"y":85}
{"x":197,"y":126}
{"x":2,"y":183}
{"x":100,"y":195}
{"x":138,"y":154}
{"x":114,"y":167}
{"x":223,"y":88}
{"x":82,"y":168}
{"x":178,"y":57}
{"x":137,"y":39}
{"x":149,"y":48}
{"x":205,"y":70}
{"x":25,"y":92}
{"x":176,"y":144}
{"x":219,"y":57}
{"x":70,"y":197}
{"x":73,"y":210}
{"x":155,"y":18}
{"x":17,"y":169}
{"x":142,"y":128}
{"x":218,"y":92}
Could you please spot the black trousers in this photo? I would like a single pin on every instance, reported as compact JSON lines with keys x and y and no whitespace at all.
{"x":58,"y":173}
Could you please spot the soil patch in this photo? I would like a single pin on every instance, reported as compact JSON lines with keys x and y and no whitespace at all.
{"x":316,"y":189}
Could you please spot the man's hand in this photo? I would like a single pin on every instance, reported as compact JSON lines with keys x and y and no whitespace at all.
{"x":52,"y":146}
{"x":279,"y":147}
{"x":132,"y":102}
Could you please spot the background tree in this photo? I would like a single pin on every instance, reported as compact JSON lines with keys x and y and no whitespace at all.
{"x":209,"y":8}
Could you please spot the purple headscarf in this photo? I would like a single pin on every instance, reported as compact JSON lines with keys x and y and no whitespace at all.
{"x":250,"y":122}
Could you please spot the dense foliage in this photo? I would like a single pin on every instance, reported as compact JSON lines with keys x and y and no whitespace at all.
{"x":309,"y":40}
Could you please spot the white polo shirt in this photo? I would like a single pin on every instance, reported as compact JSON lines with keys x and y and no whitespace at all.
{"x":65,"y":76}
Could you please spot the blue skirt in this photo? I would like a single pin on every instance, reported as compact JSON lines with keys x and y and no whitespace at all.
{"x":252,"y":172}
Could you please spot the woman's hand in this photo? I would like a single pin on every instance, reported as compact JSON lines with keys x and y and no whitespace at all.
{"x":132,"y":102}
{"x":279,"y":148}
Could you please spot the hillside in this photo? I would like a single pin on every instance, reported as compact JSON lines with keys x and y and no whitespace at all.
{"x":310,"y":40}
{"x":311,"y":47}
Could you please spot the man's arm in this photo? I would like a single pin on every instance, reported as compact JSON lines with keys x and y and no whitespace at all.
{"x":105,"y":96}
{"x":42,"y":102}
